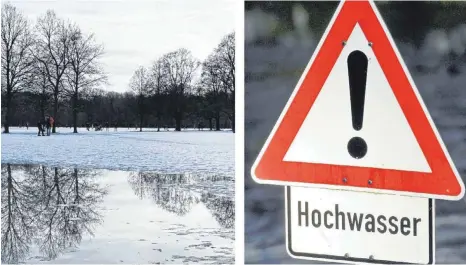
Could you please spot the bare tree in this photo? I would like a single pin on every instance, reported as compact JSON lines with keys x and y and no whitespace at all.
{"x":53,"y":44}
{"x":158,"y":83}
{"x":179,"y":67}
{"x":140,"y":86}
{"x":223,"y":61}
{"x":16,"y":56}
{"x":212,"y":87}
{"x":40,"y":87}
{"x":84,"y":70}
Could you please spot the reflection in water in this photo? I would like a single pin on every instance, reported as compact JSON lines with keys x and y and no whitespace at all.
{"x":51,"y":206}
{"x":48,"y":210}
{"x":69,"y":209}
{"x":222,"y":209}
{"x":178,"y":193}
{"x":167,"y":190}
{"x":17,"y":215}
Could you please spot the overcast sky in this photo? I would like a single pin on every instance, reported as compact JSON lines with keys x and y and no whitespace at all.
{"x":136,"y":32}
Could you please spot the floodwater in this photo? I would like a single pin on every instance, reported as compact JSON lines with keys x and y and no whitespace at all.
{"x":73,"y":215}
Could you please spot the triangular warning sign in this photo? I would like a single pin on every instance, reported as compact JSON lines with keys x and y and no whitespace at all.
{"x":356,"y":121}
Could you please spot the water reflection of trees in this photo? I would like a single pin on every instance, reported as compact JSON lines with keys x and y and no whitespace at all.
{"x":167,"y":190}
{"x":175,"y":194}
{"x":17,"y":216}
{"x":55,"y":207}
{"x":222,"y":208}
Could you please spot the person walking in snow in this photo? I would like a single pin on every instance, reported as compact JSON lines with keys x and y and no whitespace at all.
{"x":47,"y":125}
{"x":40,"y":128}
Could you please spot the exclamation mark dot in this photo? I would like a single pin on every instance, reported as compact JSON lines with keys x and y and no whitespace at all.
{"x":357,"y":72}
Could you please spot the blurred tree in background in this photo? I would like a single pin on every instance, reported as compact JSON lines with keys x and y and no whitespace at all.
{"x":408,"y":21}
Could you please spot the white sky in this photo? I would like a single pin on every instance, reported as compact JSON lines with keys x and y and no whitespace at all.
{"x":137,"y":32}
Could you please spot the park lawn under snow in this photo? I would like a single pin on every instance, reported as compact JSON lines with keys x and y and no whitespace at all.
{"x":126,"y":149}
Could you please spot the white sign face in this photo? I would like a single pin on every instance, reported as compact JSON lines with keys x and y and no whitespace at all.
{"x":358,"y":227}
{"x":324,"y":134}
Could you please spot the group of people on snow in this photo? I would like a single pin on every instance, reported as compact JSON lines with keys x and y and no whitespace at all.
{"x":99,"y":127}
{"x":45,"y":126}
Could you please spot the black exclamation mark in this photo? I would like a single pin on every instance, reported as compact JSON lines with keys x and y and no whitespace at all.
{"x":357,"y":71}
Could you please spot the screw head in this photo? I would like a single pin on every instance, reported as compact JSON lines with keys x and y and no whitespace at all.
{"x":370,"y":44}
{"x":371,"y":257}
{"x":370,"y":182}
{"x":343,"y":43}
{"x":345,"y":180}
{"x":346,"y":255}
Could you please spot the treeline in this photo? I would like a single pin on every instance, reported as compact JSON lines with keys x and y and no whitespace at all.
{"x":53,"y":67}
{"x":165,"y":90}
{"x":119,"y":109}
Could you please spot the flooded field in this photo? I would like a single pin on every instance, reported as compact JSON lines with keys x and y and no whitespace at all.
{"x":74,"y":215}
{"x":169,"y":152}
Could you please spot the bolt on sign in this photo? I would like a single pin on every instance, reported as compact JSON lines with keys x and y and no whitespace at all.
{"x":359,"y":151}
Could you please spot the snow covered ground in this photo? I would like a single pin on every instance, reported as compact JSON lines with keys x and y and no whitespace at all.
{"x":118,"y":197}
{"x":101,"y":216}
{"x":170,"y":152}
{"x":272,"y":73}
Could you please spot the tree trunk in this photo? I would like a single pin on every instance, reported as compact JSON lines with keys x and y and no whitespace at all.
{"x":158,"y":123}
{"x":55,"y":109}
{"x":141,"y":118}
{"x":178,"y":124}
{"x":76,"y":185}
{"x":8,"y":92}
{"x":141,"y":111}
{"x":233,"y":123}
{"x":10,"y":188}
{"x":8,"y":111}
{"x":232,"y":116}
{"x":56,"y":183}
{"x":42,"y":106}
{"x":178,"y":119}
{"x":75,"y":112}
{"x":217,"y":121}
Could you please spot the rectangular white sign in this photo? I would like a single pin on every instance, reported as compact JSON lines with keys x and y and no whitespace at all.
{"x":359,"y":227}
